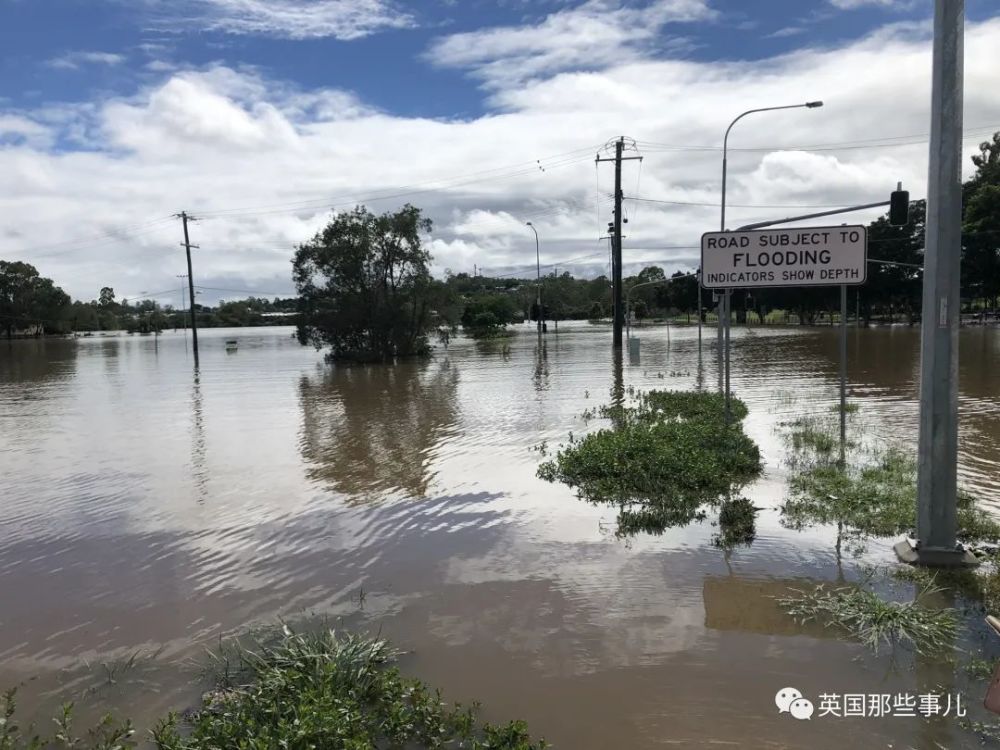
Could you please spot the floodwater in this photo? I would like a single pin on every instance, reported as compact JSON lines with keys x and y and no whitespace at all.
{"x":145,"y":511}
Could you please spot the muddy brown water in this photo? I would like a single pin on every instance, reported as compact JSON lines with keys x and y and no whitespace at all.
{"x":146,"y":512}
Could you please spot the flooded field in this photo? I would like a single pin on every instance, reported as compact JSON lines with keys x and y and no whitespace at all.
{"x":147,"y":511}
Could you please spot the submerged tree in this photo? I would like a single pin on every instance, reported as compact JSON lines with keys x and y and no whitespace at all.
{"x":365,"y":286}
{"x":28,"y":299}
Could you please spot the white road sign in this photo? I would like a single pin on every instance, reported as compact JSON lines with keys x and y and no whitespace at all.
{"x":805,"y":256}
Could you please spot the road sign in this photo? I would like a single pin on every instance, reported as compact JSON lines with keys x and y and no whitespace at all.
{"x":804,"y":256}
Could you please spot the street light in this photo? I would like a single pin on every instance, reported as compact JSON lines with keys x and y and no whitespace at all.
{"x":724,"y":300}
{"x":538,"y":271}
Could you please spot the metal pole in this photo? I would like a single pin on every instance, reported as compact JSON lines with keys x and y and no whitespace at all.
{"x":843,"y":372}
{"x":719,"y":344}
{"x":698,"y":279}
{"x":722,"y":228}
{"x":728,"y":305}
{"x":937,"y":449}
{"x":538,"y":284}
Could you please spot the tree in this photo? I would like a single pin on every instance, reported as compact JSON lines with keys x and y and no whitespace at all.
{"x":981,"y":225}
{"x":28,"y":299}
{"x":107,"y":298}
{"x":365,"y":287}
{"x":639,"y":308}
{"x":487,"y":316}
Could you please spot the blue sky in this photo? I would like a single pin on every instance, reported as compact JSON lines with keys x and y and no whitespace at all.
{"x":262,"y":114}
{"x":71,"y":50}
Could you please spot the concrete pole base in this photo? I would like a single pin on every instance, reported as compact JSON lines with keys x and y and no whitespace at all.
{"x":934,"y":558}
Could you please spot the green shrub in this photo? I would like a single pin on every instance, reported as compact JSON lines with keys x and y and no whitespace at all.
{"x":668,"y":456}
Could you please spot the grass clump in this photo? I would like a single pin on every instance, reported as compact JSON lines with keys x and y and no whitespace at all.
{"x":875,"y":621}
{"x":107,"y":735}
{"x":874,"y":499}
{"x":808,"y":435}
{"x":300,"y":691}
{"x":665,"y":458}
{"x":324,"y":690}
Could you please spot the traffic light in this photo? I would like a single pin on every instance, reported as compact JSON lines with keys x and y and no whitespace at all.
{"x":899,"y":207}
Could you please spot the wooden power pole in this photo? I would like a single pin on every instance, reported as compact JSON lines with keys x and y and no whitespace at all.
{"x":187,"y":247}
{"x":616,"y":242}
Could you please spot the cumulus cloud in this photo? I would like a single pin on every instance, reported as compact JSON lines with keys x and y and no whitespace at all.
{"x":78,"y":59}
{"x":262,"y":162}
{"x":593,"y":35}
{"x":294,"y":19}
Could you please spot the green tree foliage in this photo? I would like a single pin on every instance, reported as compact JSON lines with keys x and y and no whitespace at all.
{"x":981,"y":258}
{"x":487,"y":315}
{"x":365,"y":286}
{"x":28,"y":300}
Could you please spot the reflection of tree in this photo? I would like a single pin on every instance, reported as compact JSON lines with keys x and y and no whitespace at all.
{"x":372,"y":430}
{"x":36,"y":362}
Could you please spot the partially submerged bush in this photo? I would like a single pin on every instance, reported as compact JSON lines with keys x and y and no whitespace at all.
{"x":737,"y":524}
{"x":668,"y":456}
{"x":300,"y":691}
{"x":879,"y":499}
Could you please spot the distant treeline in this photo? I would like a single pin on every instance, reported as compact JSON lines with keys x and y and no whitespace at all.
{"x":345,"y":305}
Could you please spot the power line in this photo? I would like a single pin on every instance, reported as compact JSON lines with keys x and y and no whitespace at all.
{"x":523,"y":168}
{"x":884,"y":141}
{"x":736,"y":205}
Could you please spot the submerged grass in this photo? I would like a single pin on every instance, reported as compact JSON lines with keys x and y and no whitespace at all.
{"x":665,"y":458}
{"x":874,"y":496}
{"x":875,"y":621}
{"x":301,"y":690}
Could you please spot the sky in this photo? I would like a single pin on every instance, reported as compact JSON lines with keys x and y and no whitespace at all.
{"x":260,"y":117}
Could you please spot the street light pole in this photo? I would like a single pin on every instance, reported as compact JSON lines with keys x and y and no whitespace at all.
{"x":937,"y":450}
{"x":538,"y":287}
{"x":724,"y":299}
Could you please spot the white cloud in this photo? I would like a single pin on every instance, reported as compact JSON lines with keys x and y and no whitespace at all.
{"x":220,"y":139}
{"x":75,"y":60}
{"x":787,"y":31}
{"x":18,"y":129}
{"x":852,"y":4}
{"x":593,"y":35}
{"x":295,"y":19}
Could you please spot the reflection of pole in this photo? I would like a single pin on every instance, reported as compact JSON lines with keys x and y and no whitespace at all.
{"x":617,"y":388}
{"x":843,"y":371}
{"x":938,"y":443}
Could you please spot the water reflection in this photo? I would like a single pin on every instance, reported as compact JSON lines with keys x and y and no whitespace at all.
{"x":36,"y":361}
{"x":369,"y":431}
{"x":199,"y":467}
{"x":540,"y":377}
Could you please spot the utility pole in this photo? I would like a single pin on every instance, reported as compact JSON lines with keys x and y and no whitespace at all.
{"x":937,"y":451}
{"x":187,"y":247}
{"x":616,"y":242}
{"x":617,"y":262}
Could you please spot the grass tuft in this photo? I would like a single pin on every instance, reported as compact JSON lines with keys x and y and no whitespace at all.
{"x":873,"y":620}
{"x":298,"y":690}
